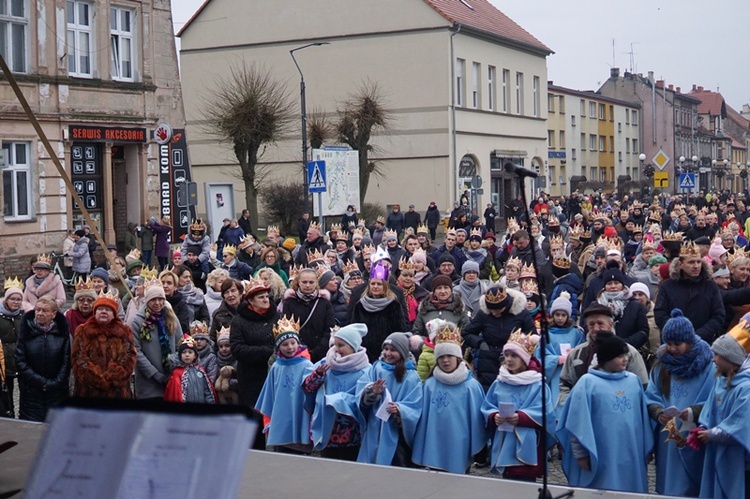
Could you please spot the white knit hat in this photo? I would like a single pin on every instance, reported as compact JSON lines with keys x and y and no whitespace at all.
{"x":562,"y":303}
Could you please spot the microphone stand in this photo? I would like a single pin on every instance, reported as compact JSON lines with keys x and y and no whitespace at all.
{"x":544,"y":492}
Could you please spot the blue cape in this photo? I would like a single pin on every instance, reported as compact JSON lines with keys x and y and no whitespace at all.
{"x":451,"y":429}
{"x":552,"y":370}
{"x":727,"y":409}
{"x":519,"y":447}
{"x":607,"y":414}
{"x":282,"y":400}
{"x":336,"y":396}
{"x":678,"y":471}
{"x":380,"y":438}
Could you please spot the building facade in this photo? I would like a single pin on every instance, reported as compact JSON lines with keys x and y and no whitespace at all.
{"x":591,"y":138}
{"x":99,"y":75}
{"x":465,"y":85}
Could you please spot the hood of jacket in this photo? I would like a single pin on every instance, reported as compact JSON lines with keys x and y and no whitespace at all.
{"x":518,"y":305}
{"x":323,"y":293}
{"x":676,"y":274}
{"x":27,"y":321}
{"x":457,"y":307}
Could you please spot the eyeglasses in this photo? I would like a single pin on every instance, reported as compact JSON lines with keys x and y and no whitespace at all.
{"x":14,"y":298}
{"x":85,"y":300}
{"x":197,"y":233}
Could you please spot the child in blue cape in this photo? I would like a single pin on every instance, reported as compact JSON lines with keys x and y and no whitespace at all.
{"x":518,"y":453}
{"x":681,"y":379}
{"x":563,"y":334}
{"x":390,"y":441}
{"x":604,"y":427}
{"x":330,"y":395}
{"x":281,"y":398}
{"x":724,"y":428}
{"x":451,"y":428}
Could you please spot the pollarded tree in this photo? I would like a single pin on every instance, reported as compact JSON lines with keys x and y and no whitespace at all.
{"x":362,"y":114}
{"x":249,"y":109}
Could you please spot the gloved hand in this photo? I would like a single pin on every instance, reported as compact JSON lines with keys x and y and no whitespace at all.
{"x":484,"y":346}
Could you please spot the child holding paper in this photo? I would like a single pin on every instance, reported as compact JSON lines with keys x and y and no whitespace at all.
{"x":604,"y":427}
{"x":188,"y":381}
{"x":330,"y":395}
{"x":724,"y":428}
{"x":451,"y":429}
{"x":513,"y":410}
{"x":390,"y":403}
{"x":679,"y":385}
{"x":563,"y":337}
{"x":281,"y":400}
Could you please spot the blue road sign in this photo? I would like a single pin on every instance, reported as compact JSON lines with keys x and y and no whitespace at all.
{"x":316,"y":176}
{"x":687,"y":180}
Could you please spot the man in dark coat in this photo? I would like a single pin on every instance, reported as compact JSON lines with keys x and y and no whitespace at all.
{"x":525,"y":249}
{"x":691,"y":289}
{"x":432,"y":219}
{"x":412,"y":218}
{"x":502,"y":311}
{"x":244,"y":222}
{"x":302,"y":225}
{"x":395,"y":220}
{"x":451,"y":247}
{"x":731,"y":297}
{"x":313,"y":242}
{"x":489,"y":217}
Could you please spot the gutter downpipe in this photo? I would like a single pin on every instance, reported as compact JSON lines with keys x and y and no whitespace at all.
{"x":451,"y":198}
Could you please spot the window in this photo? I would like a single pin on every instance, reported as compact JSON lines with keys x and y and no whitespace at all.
{"x":506,"y":89}
{"x":583,"y":107}
{"x":627,"y":145}
{"x":551,"y":139}
{"x":611,"y":144}
{"x":634,"y":117}
{"x":491,"y":88}
{"x":627,"y":116}
{"x":537,"y":97}
{"x":475,"y":86}
{"x":519,"y":93}
{"x":635,"y":146}
{"x":602,"y":143}
{"x":562,"y":139}
{"x":552,"y":174}
{"x":583,"y":142}
{"x":79,"y":38}
{"x":13,"y":29}
{"x":619,"y":126}
{"x":601,"y":112}
{"x":603,"y":173}
{"x":594,"y":174}
{"x":561,"y":105}
{"x":572,"y":120}
{"x":121,"y":38}
{"x":592,"y":109}
{"x":550,"y":103}
{"x":619,"y":156}
{"x":573,"y":154}
{"x":592,"y":143}
{"x":460,"y":82}
{"x":17,"y":181}
{"x":611,"y":113}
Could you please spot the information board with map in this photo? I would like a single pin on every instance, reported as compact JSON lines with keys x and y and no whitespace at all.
{"x":342,"y":180}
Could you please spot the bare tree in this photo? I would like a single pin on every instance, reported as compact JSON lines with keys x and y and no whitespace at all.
{"x":319,"y":128}
{"x":362,"y":114}
{"x":249,"y":109}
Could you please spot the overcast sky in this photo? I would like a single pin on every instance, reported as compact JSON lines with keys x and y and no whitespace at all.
{"x":684,"y":42}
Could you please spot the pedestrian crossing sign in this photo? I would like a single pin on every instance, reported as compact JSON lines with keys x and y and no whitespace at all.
{"x":687,"y":181}
{"x":316,"y":176}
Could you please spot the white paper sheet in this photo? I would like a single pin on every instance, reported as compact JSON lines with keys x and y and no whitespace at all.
{"x":565,"y":349}
{"x":672,"y":412}
{"x":506,"y":410}
{"x":382,"y":411}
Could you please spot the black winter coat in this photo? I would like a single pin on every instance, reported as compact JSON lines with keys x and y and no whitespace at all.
{"x":379,"y":325}
{"x":731,"y":297}
{"x":412,"y":219}
{"x":487,"y":336}
{"x":222,"y":317}
{"x":43,"y":362}
{"x":633,"y":325}
{"x":181,"y":309}
{"x":251,"y":341}
{"x":432,"y":217}
{"x":9,"y":326}
{"x":319,"y":244}
{"x":341,"y":308}
{"x":316,"y":333}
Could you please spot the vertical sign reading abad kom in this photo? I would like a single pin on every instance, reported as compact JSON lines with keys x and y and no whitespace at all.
{"x":174,"y":169}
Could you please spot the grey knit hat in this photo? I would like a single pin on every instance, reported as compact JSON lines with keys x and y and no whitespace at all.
{"x":563,"y":304}
{"x":469,"y":266}
{"x":399,"y":341}
{"x":728,"y":347}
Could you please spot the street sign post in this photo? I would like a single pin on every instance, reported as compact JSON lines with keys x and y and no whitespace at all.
{"x":316,"y":183}
{"x":661,"y":180}
{"x":687,"y":181}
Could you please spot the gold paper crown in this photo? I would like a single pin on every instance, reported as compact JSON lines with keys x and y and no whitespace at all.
{"x":527,"y":272}
{"x":637,"y":204}
{"x":44,"y":258}
{"x":153,"y":282}
{"x":405,"y":264}
{"x":320,"y":270}
{"x":612,"y":243}
{"x":638,"y":228}
{"x":315,"y":255}
{"x":586,"y":234}
{"x":135,"y":254}
{"x":14,"y":283}
{"x":654,"y":215}
{"x":368,"y":248}
{"x":561,"y":262}
{"x":294,"y":271}
{"x":389,"y":232}
{"x":349,"y":266}
{"x":380,"y":219}
{"x":419,"y":251}
{"x":689,"y":249}
{"x":448,"y":334}
{"x":148,"y":273}
{"x":82,"y":285}
{"x":245,"y":241}
{"x":672,"y":236}
{"x":223,"y":330}
{"x":360,"y":231}
{"x":187,"y":340}
{"x":314,"y":226}
{"x":512,"y":224}
{"x":351,"y":223}
{"x":556,"y":240}
{"x":336,"y":227}
{"x":727,"y":230}
{"x":198,"y":327}
{"x":741,"y":333}
{"x":285,"y":325}
{"x":495,"y":295}
{"x":422,"y":229}
{"x":525,"y":341}
{"x":450,"y":232}
{"x":229,"y":249}
{"x":514,"y":261}
{"x":273,"y":229}
{"x":361,"y":223}
{"x":553,"y":221}
{"x":732,"y":256}
{"x":529,"y":286}
{"x":110,"y":295}
{"x":647,"y":245}
{"x":197,"y":225}
{"x":476,"y":232}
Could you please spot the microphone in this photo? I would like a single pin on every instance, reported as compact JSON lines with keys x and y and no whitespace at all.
{"x":519,"y":170}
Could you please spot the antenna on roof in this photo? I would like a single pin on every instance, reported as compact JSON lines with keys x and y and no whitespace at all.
{"x":632,"y":57}
{"x":467,"y":4}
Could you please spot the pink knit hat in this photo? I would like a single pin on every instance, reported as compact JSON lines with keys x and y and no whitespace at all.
{"x":522,"y":345}
{"x":716,"y":250}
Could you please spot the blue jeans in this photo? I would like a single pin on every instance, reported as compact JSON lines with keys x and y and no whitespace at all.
{"x":146,"y":257}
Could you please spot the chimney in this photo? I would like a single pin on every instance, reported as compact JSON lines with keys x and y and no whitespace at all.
{"x":679,"y":90}
{"x":700,"y":88}
{"x":614,"y":72}
{"x":651,"y":76}
{"x":671,"y":87}
{"x":659,"y":83}
{"x":695,"y":89}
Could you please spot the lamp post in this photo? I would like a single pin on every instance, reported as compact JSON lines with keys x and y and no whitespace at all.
{"x":648,"y":171}
{"x":303,"y":104}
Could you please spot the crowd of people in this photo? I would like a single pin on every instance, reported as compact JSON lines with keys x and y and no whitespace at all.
{"x":375,"y":344}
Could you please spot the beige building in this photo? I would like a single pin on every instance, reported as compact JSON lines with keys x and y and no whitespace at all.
{"x":466,"y":85}
{"x":99,"y":75}
{"x":591,"y":138}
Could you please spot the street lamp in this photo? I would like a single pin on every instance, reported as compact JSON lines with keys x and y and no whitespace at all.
{"x":304,"y":109}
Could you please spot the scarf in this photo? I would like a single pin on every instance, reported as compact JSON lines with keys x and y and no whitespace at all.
{"x":4,"y":311}
{"x":224,"y":360}
{"x":478,"y":255}
{"x":439,"y":304}
{"x":521,"y":379}
{"x":353,"y":362}
{"x":305,"y":297}
{"x":688,"y":365}
{"x":471,"y":292}
{"x":154,"y":320}
{"x":346,"y":291}
{"x":44,"y":329}
{"x":420,"y":275}
{"x":454,"y":378}
{"x":373,"y":305}
{"x":193,"y":295}
{"x":408,"y":291}
{"x":615,"y":300}
{"x":38,"y":281}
